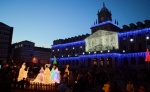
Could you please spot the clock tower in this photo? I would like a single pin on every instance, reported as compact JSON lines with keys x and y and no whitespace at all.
{"x":104,"y":14}
{"x":104,"y":21}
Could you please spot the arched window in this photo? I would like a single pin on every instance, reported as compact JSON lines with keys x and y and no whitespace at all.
{"x":125,"y":61}
{"x":73,"y":62}
{"x":109,"y":62}
{"x":89,"y":62}
{"x":133,"y":60}
{"x":95,"y":61}
{"x":101,"y":62}
{"x":141,"y":60}
{"x":77,"y":62}
{"x":116,"y":61}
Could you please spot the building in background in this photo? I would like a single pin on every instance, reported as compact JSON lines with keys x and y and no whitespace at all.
{"x":23,"y":52}
{"x":6,"y":33}
{"x":108,"y":46}
{"x":26,"y":51}
{"x":42,"y":55}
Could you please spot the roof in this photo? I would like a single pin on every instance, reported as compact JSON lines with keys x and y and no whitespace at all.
{"x":104,"y":23}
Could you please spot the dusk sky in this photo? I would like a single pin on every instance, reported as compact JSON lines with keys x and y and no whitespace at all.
{"x":43,"y":21}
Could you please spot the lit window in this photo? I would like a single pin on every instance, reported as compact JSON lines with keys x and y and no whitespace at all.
{"x":62,"y":55}
{"x":58,"y":49}
{"x":66,"y":48}
{"x":68,"y":55}
{"x":89,"y":52}
{"x":80,"y":46}
{"x":53,"y":50}
{"x":131,"y":39}
{"x":73,"y":48}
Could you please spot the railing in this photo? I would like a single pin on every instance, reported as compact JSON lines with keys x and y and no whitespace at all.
{"x":37,"y":87}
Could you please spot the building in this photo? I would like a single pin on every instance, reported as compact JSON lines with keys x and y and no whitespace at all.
{"x":22,"y":52}
{"x":42,"y":55}
{"x":108,"y":46}
{"x":6,"y":33}
{"x":26,"y":51}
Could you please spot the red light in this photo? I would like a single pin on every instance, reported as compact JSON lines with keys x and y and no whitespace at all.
{"x":147,"y":58}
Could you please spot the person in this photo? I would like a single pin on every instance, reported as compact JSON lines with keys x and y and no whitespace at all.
{"x":106,"y":87}
{"x":130,"y":87}
{"x":62,"y":87}
{"x":141,"y":88}
{"x":22,"y":82}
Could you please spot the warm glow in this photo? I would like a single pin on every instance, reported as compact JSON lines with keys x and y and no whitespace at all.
{"x":35,"y":60}
{"x":46,"y":76}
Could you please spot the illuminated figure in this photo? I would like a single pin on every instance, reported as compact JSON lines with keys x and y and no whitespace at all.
{"x":22,"y":72}
{"x":40,"y":76}
{"x":53,"y":73}
{"x":47,"y":75}
{"x":67,"y":69}
{"x":56,"y":76}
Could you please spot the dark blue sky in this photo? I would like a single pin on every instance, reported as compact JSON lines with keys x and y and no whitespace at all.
{"x":42,"y":21}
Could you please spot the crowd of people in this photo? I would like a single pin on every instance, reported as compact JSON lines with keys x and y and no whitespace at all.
{"x":84,"y":80}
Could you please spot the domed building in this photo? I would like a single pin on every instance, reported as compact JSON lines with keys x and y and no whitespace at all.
{"x":108,"y":46}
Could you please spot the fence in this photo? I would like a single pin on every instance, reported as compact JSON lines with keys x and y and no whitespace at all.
{"x":38,"y":87}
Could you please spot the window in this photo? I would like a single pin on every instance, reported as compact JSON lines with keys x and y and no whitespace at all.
{"x":141,"y":60}
{"x":124,"y":38}
{"x":125,"y":60}
{"x":102,"y":62}
{"x":77,"y":62}
{"x":133,"y":61}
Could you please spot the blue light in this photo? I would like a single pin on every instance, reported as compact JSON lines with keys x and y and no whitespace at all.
{"x":68,"y":44}
{"x":133,"y":32}
{"x":103,"y":23}
{"x":104,"y":55}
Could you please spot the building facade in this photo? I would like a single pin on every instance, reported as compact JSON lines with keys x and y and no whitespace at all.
{"x":108,"y":46}
{"x":42,"y":55}
{"x":6,"y":33}
{"x":23,"y":52}
{"x":26,"y":51}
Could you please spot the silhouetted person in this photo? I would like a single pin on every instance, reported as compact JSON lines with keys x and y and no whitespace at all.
{"x":22,"y":82}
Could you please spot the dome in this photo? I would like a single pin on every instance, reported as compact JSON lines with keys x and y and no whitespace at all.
{"x":104,"y":8}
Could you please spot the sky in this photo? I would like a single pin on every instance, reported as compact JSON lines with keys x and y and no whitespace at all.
{"x":43,"y":21}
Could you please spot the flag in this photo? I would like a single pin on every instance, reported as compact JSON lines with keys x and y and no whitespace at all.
{"x":54,"y":62}
{"x":147,"y":58}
